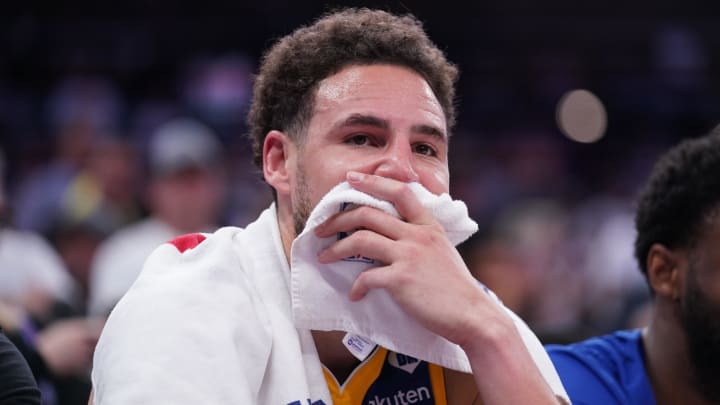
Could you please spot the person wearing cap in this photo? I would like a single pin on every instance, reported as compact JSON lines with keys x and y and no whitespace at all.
{"x":184,"y":195}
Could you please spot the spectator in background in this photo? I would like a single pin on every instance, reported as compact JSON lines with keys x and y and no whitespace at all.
{"x":41,"y":312}
{"x":103,"y":193}
{"x":38,"y":199}
{"x":522,"y":256}
{"x":676,"y":358}
{"x":601,"y":235}
{"x":59,"y":353}
{"x":77,"y":243}
{"x":513,"y":257}
{"x":79,"y":111}
{"x":492,"y":259}
{"x":99,"y":190}
{"x":184,"y":195}
{"x":32,"y":274}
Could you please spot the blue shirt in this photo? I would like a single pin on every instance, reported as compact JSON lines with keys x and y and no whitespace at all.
{"x":604,"y":370}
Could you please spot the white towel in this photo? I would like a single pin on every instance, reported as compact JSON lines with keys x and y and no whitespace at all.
{"x":320,"y":291}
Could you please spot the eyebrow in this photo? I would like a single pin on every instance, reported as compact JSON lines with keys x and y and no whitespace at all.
{"x":366,"y":120}
{"x":380,"y":123}
{"x":429,"y":130}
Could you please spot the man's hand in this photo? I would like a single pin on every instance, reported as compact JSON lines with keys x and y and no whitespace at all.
{"x":11,"y":315}
{"x":67,"y":345}
{"x":423,"y":271}
{"x":426,"y":276}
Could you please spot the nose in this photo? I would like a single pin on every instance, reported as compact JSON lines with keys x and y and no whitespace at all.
{"x":397,"y":164}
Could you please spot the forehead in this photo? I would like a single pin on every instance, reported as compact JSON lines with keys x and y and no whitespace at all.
{"x":387,"y":89}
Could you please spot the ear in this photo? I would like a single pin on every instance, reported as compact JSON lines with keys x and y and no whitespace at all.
{"x":278,"y":151}
{"x":663,"y":271}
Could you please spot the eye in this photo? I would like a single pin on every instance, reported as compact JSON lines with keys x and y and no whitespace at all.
{"x":425,"y":149}
{"x":359,"y":140}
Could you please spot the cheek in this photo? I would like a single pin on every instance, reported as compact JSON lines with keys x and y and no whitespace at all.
{"x":436,"y":180}
{"x":325,"y":172}
{"x":710,"y":288}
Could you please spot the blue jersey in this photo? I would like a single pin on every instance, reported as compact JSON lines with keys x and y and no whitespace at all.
{"x":604,"y":370}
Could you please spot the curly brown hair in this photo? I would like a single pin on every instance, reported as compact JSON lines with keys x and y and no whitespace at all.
{"x":284,"y":90}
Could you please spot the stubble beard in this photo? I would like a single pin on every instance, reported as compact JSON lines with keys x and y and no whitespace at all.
{"x":301,"y":197}
{"x":701,"y":320}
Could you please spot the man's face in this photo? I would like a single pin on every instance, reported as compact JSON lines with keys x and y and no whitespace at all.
{"x":377,"y":119}
{"x":189,"y":199}
{"x":700,"y":310}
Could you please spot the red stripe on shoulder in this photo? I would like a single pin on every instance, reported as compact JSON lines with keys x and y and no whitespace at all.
{"x":188,"y":241}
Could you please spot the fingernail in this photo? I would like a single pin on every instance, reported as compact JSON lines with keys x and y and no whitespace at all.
{"x":355,"y":176}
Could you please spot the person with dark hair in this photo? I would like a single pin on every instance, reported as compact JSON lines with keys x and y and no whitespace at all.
{"x":17,"y":385}
{"x":41,"y":315}
{"x":184,"y":194}
{"x":676,"y":358}
{"x":348,"y":289}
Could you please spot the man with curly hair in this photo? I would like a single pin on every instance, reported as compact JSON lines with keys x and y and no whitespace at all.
{"x":361,"y":97}
{"x":676,"y":358}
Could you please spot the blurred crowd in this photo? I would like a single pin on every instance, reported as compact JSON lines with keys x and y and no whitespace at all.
{"x":92,"y":181}
{"x":84,"y":204}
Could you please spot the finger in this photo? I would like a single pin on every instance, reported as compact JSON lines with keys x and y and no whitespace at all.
{"x":363,"y":217}
{"x":361,"y":243}
{"x":396,"y":192}
{"x":369,"y":279}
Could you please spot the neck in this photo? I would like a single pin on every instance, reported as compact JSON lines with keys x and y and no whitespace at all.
{"x":286,"y":227}
{"x":333,"y":354}
{"x":667,"y":361}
